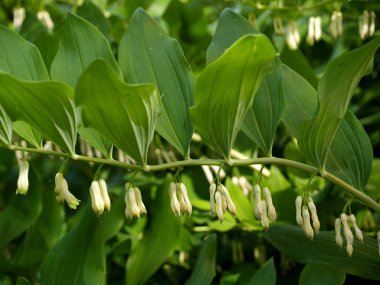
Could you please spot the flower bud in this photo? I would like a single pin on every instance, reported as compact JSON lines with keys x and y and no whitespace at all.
{"x":298,"y":211}
{"x":44,"y":18}
{"x":23,"y":181}
{"x":314,"y":215}
{"x":219,"y":206}
{"x":358,"y":232}
{"x":349,"y":249}
{"x":372,"y":25}
{"x":63,"y":193}
{"x":212,"y":190}
{"x":338,"y":236}
{"x":97,"y":203}
{"x":311,"y":31}
{"x":264,"y":215}
{"x":188,"y":207}
{"x":292,"y":36}
{"x":226,"y":196}
{"x":347,"y":231}
{"x":131,"y":209}
{"x":306,"y":223}
{"x":104,"y":193}
{"x":139,"y":201}
{"x":174,"y":203}
{"x":317,"y":28}
{"x":224,"y":202}
{"x":257,"y":201}
{"x":271,"y":209}
{"x":18,"y":17}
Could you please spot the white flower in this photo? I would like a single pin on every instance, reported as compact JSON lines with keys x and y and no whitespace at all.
{"x":44,"y":18}
{"x":131,"y":208}
{"x":226,"y":196}
{"x":174,"y":203}
{"x":317,"y":28}
{"x":349,"y":249}
{"x":314,"y":30}
{"x":184,"y":200}
{"x":104,"y":193}
{"x":271,"y":210}
{"x":212,"y":190}
{"x":336,"y":24}
{"x":23,"y":181}
{"x":338,"y":236}
{"x":97,"y":203}
{"x":139,"y":201}
{"x":358,"y":232}
{"x":306,"y":223}
{"x":299,"y":218}
{"x":364,"y":25}
{"x":264,"y":215}
{"x":219,"y":206}
{"x":62,"y":191}
{"x":314,"y":216}
{"x":372,"y":24}
{"x":18,"y":17}
{"x":346,"y":228}
{"x":257,"y":201}
{"x":292,"y":35}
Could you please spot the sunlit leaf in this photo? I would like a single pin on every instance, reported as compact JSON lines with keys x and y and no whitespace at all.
{"x":28,"y":133}
{"x":124,"y":114}
{"x":204,"y":269}
{"x":81,"y":44}
{"x":224,"y":91}
{"x":148,"y":55}
{"x":291,"y":241}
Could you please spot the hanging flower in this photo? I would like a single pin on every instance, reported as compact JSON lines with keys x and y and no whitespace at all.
{"x":62,"y":191}
{"x":44,"y":18}
{"x":97,"y":203}
{"x":18,"y":17}
{"x":292,"y":35}
{"x":336,"y":24}
{"x":104,"y":193}
{"x":23,"y":181}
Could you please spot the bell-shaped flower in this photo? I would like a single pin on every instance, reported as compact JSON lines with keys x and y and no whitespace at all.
{"x":23,"y":181}
{"x":104,"y":193}
{"x":62,"y":191}
{"x":97,"y":203}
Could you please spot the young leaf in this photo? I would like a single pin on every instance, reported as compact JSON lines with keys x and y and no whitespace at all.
{"x":265,"y":275}
{"x":350,"y":156}
{"x":159,"y":241}
{"x":316,"y":274}
{"x":81,"y":44}
{"x":335,"y":90}
{"x":27,"y":132}
{"x":148,"y":55}
{"x":125,"y":114}
{"x":79,"y":257}
{"x":45,"y":106}
{"x":204,"y":268}
{"x":224,"y":91}
{"x":291,"y":240}
{"x":261,"y":121}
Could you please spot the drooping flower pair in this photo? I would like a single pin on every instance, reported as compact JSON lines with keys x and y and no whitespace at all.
{"x":220,"y":201}
{"x":314,"y":32}
{"x":179,"y":199}
{"x":367,"y":24}
{"x":303,"y":215}
{"x":100,"y":200}
{"x":134,"y":206}
{"x":264,"y":208}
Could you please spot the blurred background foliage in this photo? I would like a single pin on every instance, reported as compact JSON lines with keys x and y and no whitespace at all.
{"x":44,"y":242}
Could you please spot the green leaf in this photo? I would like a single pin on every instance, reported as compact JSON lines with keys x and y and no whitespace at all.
{"x":148,"y":55}
{"x":261,"y":121}
{"x":231,"y":26}
{"x":81,"y":44}
{"x":5,"y":128}
{"x":350,"y":156}
{"x":335,"y":90}
{"x":204,"y":269}
{"x":27,"y":132}
{"x":319,"y":274}
{"x":265,"y":275}
{"x":291,"y":241}
{"x":301,"y":101}
{"x":99,"y":142}
{"x":158,"y":243}
{"x":19,"y":214}
{"x":125,"y":114}
{"x":20,"y":58}
{"x":79,"y":257}
{"x":224,"y":91}
{"x":45,"y":106}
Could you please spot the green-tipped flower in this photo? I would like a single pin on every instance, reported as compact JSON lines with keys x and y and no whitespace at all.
{"x":62,"y":191}
{"x":338,"y":236}
{"x":212,"y":190}
{"x":257,"y":201}
{"x":174,"y":203}
{"x":306,"y":223}
{"x":23,"y":181}
{"x":228,"y":201}
{"x":314,"y":215}
{"x":299,"y":218}
{"x":97,"y":203}
{"x":131,"y":208}
{"x":139,"y":201}
{"x":346,"y":229}
{"x":104,"y":193}
{"x":271,"y":209}
{"x":185,"y":203}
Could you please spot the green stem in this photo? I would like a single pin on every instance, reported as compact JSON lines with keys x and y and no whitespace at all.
{"x":199,"y":162}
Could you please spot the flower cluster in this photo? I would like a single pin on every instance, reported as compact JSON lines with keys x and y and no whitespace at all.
{"x":345,"y":220}
{"x":314,"y":33}
{"x":62,"y":192}
{"x":303,"y":215}
{"x":179,"y":200}
{"x":367,"y":24}
{"x":133,"y":202}
{"x":99,"y":197}
{"x":264,"y":209}
{"x":220,"y":201}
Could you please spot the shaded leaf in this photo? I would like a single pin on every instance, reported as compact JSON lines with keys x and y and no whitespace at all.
{"x":125,"y":114}
{"x":28,"y":133}
{"x":159,"y":241}
{"x":148,"y":55}
{"x":99,"y":142}
{"x":224,"y":91}
{"x":291,"y":240}
{"x":82,"y":44}
{"x":45,"y":106}
{"x":265,"y":275}
{"x":204,"y":269}
{"x":318,"y":274}
{"x":5,"y":127}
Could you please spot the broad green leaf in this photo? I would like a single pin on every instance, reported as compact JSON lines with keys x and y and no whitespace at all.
{"x":45,"y":106}
{"x":231,"y":26}
{"x":94,"y":15}
{"x":350,"y":156}
{"x":20,"y":213}
{"x":261,"y":121}
{"x":81,"y":44}
{"x":148,"y":55}
{"x":224,"y":91}
{"x":319,"y":274}
{"x":335,"y":90}
{"x":125,"y":114}
{"x":301,"y":101}
{"x":20,"y":58}
{"x":291,"y":241}
{"x":265,"y":275}
{"x":79,"y":257}
{"x":158,"y":243}
{"x":99,"y":142}
{"x":204,"y":269}
{"x":27,"y":132}
{"x":5,"y":127}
